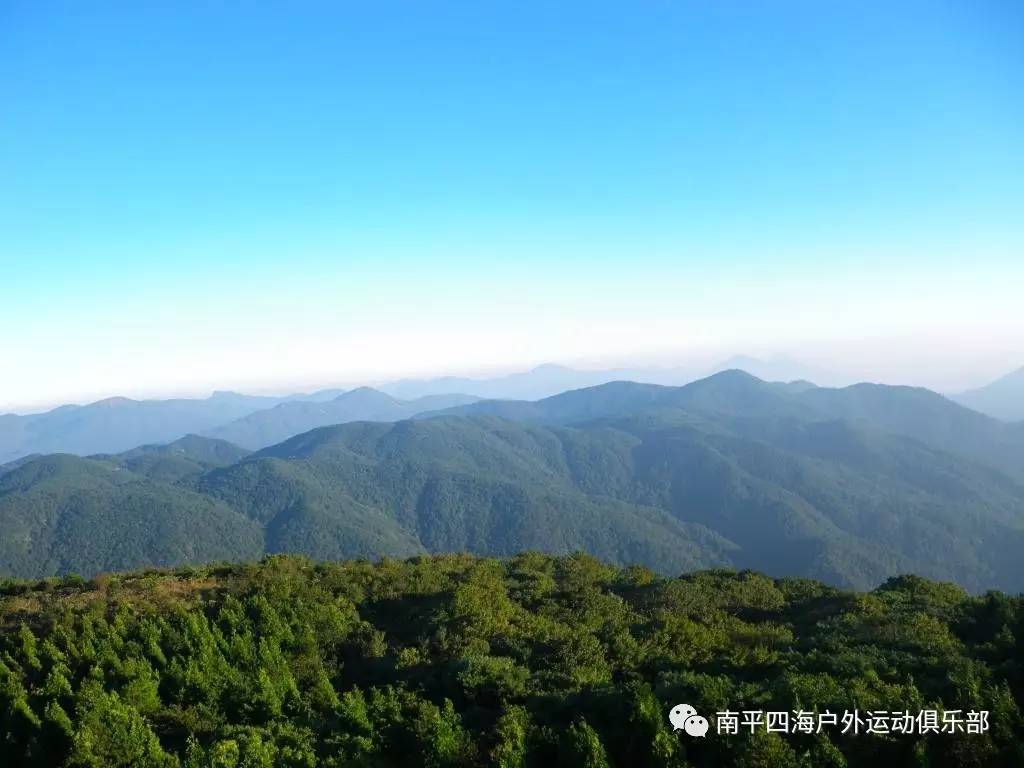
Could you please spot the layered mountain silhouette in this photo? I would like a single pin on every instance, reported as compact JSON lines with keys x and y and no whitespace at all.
{"x":735,"y":398}
{"x":846,"y":485}
{"x":541,"y":381}
{"x":548,"y":380}
{"x":263,"y":428}
{"x":1003,"y":398}
{"x":119,"y":423}
{"x":778,"y":368}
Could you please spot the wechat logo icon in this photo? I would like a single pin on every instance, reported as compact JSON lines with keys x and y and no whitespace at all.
{"x":685,"y":718}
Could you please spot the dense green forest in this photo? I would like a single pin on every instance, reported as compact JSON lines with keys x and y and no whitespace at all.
{"x":845,"y":486}
{"x":458,"y":661}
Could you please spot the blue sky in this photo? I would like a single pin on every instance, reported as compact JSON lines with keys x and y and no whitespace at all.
{"x":203,"y":195}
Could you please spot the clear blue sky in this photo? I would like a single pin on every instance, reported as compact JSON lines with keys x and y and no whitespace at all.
{"x":204,"y":194}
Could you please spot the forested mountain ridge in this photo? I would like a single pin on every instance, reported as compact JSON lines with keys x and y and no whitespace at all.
{"x":65,"y":513}
{"x":728,"y":471}
{"x":190,"y":456}
{"x":254,"y":422}
{"x":526,"y":662}
{"x":910,"y":411}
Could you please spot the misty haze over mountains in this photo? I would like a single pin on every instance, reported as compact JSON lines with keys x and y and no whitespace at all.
{"x":255,"y":421}
{"x":1003,"y":398}
{"x":547,"y":380}
{"x":273,"y":425}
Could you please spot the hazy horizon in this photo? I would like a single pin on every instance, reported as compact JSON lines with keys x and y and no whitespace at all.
{"x":685,"y":370}
{"x":196,"y":198}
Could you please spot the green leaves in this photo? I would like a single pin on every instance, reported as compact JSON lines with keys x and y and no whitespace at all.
{"x":112,"y":733}
{"x":581,"y":746}
{"x":456,"y":661}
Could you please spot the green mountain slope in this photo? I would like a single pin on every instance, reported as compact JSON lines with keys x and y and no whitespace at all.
{"x":300,"y":513}
{"x":831,"y":500}
{"x":63,"y":514}
{"x":729,"y":392}
{"x":190,"y":456}
{"x":909,"y":411}
{"x":928,"y":417}
{"x":455,"y":485}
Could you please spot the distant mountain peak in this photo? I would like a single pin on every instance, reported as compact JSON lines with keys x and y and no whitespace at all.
{"x":734,"y":374}
{"x":113,"y":402}
{"x":1012,"y":378}
{"x":194,"y":440}
{"x":1002,"y":398}
{"x":778,"y":368}
{"x":733,"y":380}
{"x":365,"y":394}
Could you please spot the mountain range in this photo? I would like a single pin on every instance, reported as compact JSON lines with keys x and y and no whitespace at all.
{"x":736,"y":399}
{"x":119,"y":423}
{"x":534,"y":384}
{"x":846,"y":485}
{"x":547,"y":380}
{"x":1003,"y":398}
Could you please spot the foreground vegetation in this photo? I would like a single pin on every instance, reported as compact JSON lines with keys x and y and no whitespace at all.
{"x":461,"y":661}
